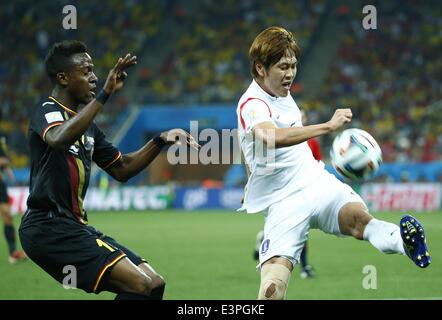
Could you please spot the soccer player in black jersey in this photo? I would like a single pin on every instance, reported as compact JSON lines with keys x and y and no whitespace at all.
{"x":15,"y":255}
{"x":63,"y":143}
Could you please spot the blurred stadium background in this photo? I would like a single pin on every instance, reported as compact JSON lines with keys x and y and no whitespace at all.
{"x":193,"y":66}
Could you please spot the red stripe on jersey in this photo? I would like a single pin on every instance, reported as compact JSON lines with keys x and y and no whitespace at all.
{"x":242,"y":106}
{"x":45,"y":131}
{"x":316,"y":149}
{"x":75,"y":179}
{"x":113,"y":161}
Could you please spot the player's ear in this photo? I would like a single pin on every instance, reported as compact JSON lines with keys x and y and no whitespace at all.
{"x":62,"y":79}
{"x":260,"y":69}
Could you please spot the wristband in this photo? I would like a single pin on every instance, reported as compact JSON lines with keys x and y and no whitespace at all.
{"x":102,"y":96}
{"x":159,"y":142}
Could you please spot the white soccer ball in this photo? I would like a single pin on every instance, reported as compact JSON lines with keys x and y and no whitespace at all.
{"x":355,"y":154}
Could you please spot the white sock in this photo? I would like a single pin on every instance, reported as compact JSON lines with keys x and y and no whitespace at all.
{"x":384,"y":236}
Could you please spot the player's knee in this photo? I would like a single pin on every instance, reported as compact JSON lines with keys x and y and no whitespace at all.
{"x":141,"y":284}
{"x":158,"y":282}
{"x":272,"y":289}
{"x":357,"y":233}
{"x":353,"y":223}
{"x":359,"y":227}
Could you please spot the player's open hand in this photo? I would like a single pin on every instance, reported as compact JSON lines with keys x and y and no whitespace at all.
{"x":117,"y":75}
{"x":340,"y":118}
{"x":179,"y":137}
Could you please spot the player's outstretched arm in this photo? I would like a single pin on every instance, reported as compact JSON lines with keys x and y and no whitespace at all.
{"x":276,"y":137}
{"x":129,"y":165}
{"x":64,"y":135}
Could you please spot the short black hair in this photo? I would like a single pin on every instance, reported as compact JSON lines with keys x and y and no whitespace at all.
{"x":58,"y":57}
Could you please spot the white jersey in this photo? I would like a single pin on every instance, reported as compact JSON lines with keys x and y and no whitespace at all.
{"x":281,"y":171}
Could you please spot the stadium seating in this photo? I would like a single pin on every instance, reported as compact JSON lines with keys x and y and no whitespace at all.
{"x":388,"y":76}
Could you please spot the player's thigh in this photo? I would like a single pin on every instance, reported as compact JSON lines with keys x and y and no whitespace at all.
{"x":125,"y":276}
{"x":69,"y":251}
{"x":156,"y":278}
{"x":285,"y":229}
{"x":333,"y":195}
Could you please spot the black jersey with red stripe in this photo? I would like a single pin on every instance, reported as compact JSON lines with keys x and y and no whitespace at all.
{"x":60,"y":178}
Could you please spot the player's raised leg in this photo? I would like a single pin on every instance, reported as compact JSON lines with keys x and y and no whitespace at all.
{"x":355,"y":220}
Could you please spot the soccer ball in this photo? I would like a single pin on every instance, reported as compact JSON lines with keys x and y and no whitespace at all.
{"x":355,"y":154}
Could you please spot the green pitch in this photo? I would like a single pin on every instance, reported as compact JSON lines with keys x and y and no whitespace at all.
{"x":208,"y":255}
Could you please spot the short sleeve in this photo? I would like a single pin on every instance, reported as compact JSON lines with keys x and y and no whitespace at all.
{"x":252,"y":112}
{"x":46,"y":116}
{"x":105,"y":154}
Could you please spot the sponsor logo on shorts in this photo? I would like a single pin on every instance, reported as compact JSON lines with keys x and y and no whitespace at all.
{"x":265,"y":246}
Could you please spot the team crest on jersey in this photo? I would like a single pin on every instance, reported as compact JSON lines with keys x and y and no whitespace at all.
{"x":74,"y":149}
{"x":265,"y":246}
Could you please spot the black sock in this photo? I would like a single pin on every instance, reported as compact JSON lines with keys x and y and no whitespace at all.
{"x":10,"y":237}
{"x":304,"y":257}
{"x":155,"y":294}
{"x":131,"y":296}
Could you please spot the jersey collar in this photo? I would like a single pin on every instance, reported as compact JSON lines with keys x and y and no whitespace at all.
{"x":61,"y":105}
{"x":270,"y":97}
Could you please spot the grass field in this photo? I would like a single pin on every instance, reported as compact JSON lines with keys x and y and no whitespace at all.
{"x":208,"y":255}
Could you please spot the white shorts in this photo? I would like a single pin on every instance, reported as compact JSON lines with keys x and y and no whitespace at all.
{"x":317,"y":206}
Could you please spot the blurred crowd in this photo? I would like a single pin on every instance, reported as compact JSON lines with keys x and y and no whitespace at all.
{"x":110,"y":28}
{"x":209,"y":61}
{"x":388,"y":76}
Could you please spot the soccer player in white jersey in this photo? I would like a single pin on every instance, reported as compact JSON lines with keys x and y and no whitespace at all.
{"x":288,"y":185}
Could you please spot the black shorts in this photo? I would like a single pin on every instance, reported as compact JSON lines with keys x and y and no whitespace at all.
{"x":59,"y":245}
{"x":4,"y":198}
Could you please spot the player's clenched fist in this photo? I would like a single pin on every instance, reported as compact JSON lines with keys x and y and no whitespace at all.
{"x":341,"y":117}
